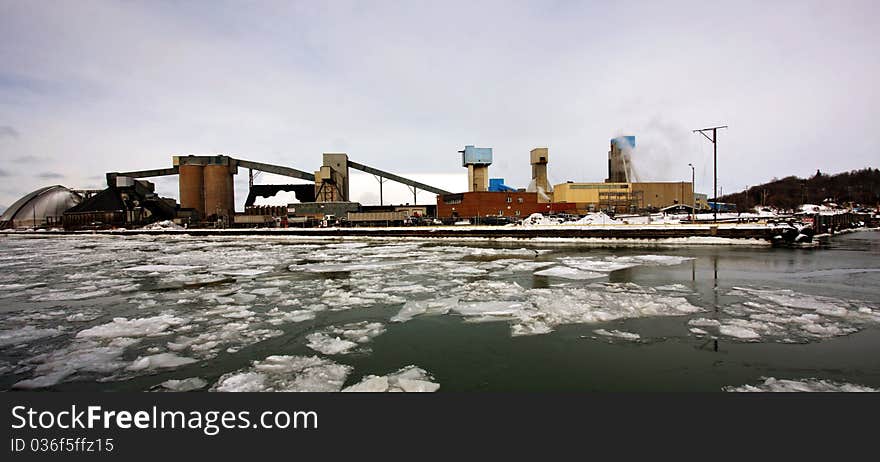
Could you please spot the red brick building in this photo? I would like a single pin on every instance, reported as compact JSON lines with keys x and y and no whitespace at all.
{"x":489,"y":203}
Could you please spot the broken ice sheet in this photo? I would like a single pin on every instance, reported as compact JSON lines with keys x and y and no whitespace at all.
{"x":786,"y":316}
{"x":286,"y":373}
{"x":771,"y":384}
{"x":345,"y":338}
{"x":407,"y":379}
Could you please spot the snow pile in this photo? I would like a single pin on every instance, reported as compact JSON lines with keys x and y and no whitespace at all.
{"x":598,"y":218}
{"x":536,"y":219}
{"x":803,"y":385}
{"x":407,"y":379}
{"x":286,"y":373}
{"x":343,"y":339}
{"x":786,"y":316}
{"x":162,"y":225}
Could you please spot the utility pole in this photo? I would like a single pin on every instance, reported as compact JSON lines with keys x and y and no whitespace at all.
{"x":693,"y":194}
{"x":714,"y":141}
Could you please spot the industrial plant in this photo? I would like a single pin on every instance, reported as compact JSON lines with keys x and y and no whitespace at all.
{"x":207,"y":197}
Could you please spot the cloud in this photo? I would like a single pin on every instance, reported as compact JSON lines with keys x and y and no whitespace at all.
{"x":4,"y":173}
{"x":30,"y":159}
{"x":402,"y":86}
{"x":50,"y":175}
{"x":7,"y":131}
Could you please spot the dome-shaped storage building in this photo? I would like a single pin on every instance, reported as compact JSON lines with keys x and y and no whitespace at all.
{"x":43,"y":207}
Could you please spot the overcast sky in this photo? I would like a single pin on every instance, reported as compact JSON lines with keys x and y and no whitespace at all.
{"x":88,"y":87}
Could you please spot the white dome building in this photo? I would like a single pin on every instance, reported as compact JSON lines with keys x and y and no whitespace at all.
{"x":43,"y":207}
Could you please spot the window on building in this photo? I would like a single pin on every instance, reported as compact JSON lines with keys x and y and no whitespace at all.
{"x":501,"y":213}
{"x":519,"y":200}
{"x":509,"y":200}
{"x":517,"y":213}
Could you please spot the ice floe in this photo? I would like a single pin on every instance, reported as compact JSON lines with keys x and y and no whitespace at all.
{"x":159,"y":361}
{"x":631,"y":336}
{"x":569,"y":273}
{"x":190,"y":384}
{"x":407,"y":379}
{"x":26,"y":334}
{"x":771,"y":384}
{"x":786,"y":316}
{"x":122,"y":327}
{"x":344,"y":339}
{"x":286,"y":373}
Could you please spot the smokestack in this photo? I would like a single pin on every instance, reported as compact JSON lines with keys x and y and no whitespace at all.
{"x":620,"y":168}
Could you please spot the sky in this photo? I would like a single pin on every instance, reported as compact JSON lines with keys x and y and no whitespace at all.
{"x":88,"y":87}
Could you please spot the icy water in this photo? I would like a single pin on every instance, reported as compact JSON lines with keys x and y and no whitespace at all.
{"x":288,"y":314}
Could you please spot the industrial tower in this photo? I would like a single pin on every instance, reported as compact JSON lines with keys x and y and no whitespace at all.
{"x":477,"y":161}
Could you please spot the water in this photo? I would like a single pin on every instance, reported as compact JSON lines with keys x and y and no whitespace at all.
{"x":278,"y":313}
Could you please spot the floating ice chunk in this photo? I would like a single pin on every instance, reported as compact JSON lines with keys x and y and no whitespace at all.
{"x":242,"y":272}
{"x":243,"y":382}
{"x":738,"y":332}
{"x":593,"y":265}
{"x":328,"y":345}
{"x":532,"y":327}
{"x":44,"y":381}
{"x":698,"y":331}
{"x":122,"y":327}
{"x":281,"y":317}
{"x":415,"y":308}
{"x":661,"y":260}
{"x":704,"y":322}
{"x":493,"y":308}
{"x":26,"y":334}
{"x":569,"y":273}
{"x":161,"y":268}
{"x":63,"y":295}
{"x":619,"y":334}
{"x":771,"y":384}
{"x":243,"y":298}
{"x":595,"y":303}
{"x":371,"y":384}
{"x":287,"y":373}
{"x":408,"y":379}
{"x":157,"y":361}
{"x":329,"y":342}
{"x":190,"y":384}
{"x":674,"y":288}
{"x":266,"y":291}
{"x":88,"y":356}
{"x":83,"y":317}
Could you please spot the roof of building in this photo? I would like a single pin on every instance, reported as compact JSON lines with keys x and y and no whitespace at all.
{"x":50,"y":201}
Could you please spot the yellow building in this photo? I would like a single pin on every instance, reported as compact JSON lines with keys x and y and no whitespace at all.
{"x":623,"y":197}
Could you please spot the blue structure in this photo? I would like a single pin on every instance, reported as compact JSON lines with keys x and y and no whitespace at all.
{"x":497,"y":185}
{"x":624,"y":141}
{"x":476,"y":156}
{"x":722,"y":207}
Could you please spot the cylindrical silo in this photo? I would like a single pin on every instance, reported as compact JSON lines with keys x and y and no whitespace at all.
{"x":219,"y":196}
{"x":192,"y":187}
